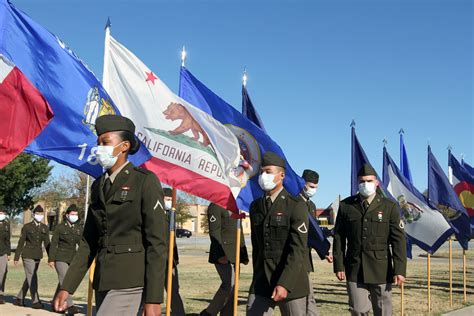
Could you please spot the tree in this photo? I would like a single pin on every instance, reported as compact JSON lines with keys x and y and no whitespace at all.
{"x":19,"y":179}
{"x":182,"y":213}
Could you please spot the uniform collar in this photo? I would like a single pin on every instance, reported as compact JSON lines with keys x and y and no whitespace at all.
{"x":274,"y":196}
{"x":115,"y":173}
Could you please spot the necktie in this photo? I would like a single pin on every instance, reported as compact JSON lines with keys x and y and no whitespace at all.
{"x":268,"y":203}
{"x":366,"y":205}
{"x":107,"y":185}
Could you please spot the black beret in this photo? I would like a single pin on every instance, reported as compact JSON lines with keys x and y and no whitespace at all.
{"x":311,"y":176}
{"x":366,"y":170}
{"x":38,"y":209}
{"x":72,"y":208}
{"x":272,"y":159}
{"x":115,"y":123}
{"x":168,"y":191}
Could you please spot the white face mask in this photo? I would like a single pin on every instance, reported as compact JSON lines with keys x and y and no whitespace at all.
{"x":309,"y":191}
{"x":39,"y":218}
{"x":2,"y":217}
{"x":265,"y":180}
{"x":168,"y":205}
{"x":367,"y":188}
{"x":105,"y":156}
{"x":73,"y":218}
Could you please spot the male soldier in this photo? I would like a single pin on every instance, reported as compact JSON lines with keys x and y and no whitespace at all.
{"x":34,"y":234}
{"x":66,"y":238}
{"x":125,"y":230}
{"x":316,"y":236}
{"x":279,"y":245}
{"x":223,"y":231}
{"x":369,"y":224}
{"x":177,"y":306}
{"x":5,"y":250}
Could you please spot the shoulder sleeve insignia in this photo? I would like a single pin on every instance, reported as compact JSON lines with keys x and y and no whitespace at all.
{"x":402,"y":224}
{"x":302,"y":228}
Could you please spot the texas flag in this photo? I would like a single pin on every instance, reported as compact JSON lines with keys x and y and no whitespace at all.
{"x":24,"y":111}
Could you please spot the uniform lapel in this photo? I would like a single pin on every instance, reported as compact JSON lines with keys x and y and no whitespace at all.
{"x":375,"y":203}
{"x":120,"y":179}
{"x":358,"y":204}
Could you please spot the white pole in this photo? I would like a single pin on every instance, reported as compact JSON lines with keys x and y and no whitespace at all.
{"x":183,"y":56}
{"x":86,"y":204}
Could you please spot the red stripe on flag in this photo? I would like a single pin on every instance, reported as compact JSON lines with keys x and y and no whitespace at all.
{"x":192,"y":183}
{"x":24,"y":114}
{"x":465,"y":191}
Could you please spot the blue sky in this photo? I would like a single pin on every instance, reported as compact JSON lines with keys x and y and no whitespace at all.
{"x":313,"y":66}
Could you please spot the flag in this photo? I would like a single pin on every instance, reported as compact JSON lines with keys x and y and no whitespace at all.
{"x":425,"y":226}
{"x":463,"y":184}
{"x":405,"y":170}
{"x":24,"y":112}
{"x":468,"y":167}
{"x":358,"y":159}
{"x":442,"y":194}
{"x":248,"y":110}
{"x":253,"y":141}
{"x":72,"y":91}
{"x":191,"y":150}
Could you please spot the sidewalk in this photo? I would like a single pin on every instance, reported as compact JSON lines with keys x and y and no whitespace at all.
{"x":466,"y":311}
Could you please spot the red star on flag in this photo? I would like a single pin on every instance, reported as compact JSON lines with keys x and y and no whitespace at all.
{"x":150,"y":77}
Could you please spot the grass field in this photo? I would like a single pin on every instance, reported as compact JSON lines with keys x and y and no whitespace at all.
{"x":199,"y":281}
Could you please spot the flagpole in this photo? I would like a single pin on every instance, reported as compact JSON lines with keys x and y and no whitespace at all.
{"x":183,"y":56}
{"x":237,"y":265}
{"x":402,"y":302}
{"x":450,"y":178}
{"x":169,"y":285}
{"x":91,"y":272}
{"x":464,"y":275}
{"x":429,"y":281}
{"x":244,"y":78}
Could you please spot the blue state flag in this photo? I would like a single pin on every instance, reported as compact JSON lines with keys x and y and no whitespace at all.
{"x":253,"y":141}
{"x":73,"y":92}
{"x":405,"y":169}
{"x":423,"y":224}
{"x":442,"y":194}
{"x":248,"y":110}
{"x":358,"y":159}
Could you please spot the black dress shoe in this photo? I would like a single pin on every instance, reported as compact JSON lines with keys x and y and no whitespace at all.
{"x":2,"y":300}
{"x":37,"y":305}
{"x":19,"y":302}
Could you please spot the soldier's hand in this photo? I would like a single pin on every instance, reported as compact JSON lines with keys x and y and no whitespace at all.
{"x":398,"y":279}
{"x":223,"y":260}
{"x":60,"y":301}
{"x":151,"y":310}
{"x":329,"y":258}
{"x":279,"y":293}
{"x":341,"y":275}
{"x":51,"y":264}
{"x":15,"y":262}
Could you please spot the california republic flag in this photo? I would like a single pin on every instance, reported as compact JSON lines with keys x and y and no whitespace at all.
{"x":191,"y":151}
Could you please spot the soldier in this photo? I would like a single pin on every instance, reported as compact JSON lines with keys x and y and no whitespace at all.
{"x":33,"y":236}
{"x":66,"y":238}
{"x":5,"y":250}
{"x":279,"y":245}
{"x":177,"y":306}
{"x":125,"y":230}
{"x":223,"y":231}
{"x":367,"y":225}
{"x":320,"y":242}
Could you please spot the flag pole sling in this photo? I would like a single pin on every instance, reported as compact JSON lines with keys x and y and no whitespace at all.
{"x":237,"y":266}
{"x":169,"y":283}
{"x":464,"y":274}
{"x":92,"y":267}
{"x":450,"y":272}
{"x":429,"y":281}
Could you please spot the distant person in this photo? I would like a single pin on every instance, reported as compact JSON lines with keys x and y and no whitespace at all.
{"x":5,"y":250}
{"x":33,"y":236}
{"x":66,"y":238}
{"x":223,"y":234}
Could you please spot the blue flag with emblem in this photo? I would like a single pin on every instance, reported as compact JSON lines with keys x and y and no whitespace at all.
{"x":423,"y":224}
{"x":442,"y":194}
{"x":405,"y":169}
{"x":253,"y":141}
{"x":73,"y":92}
